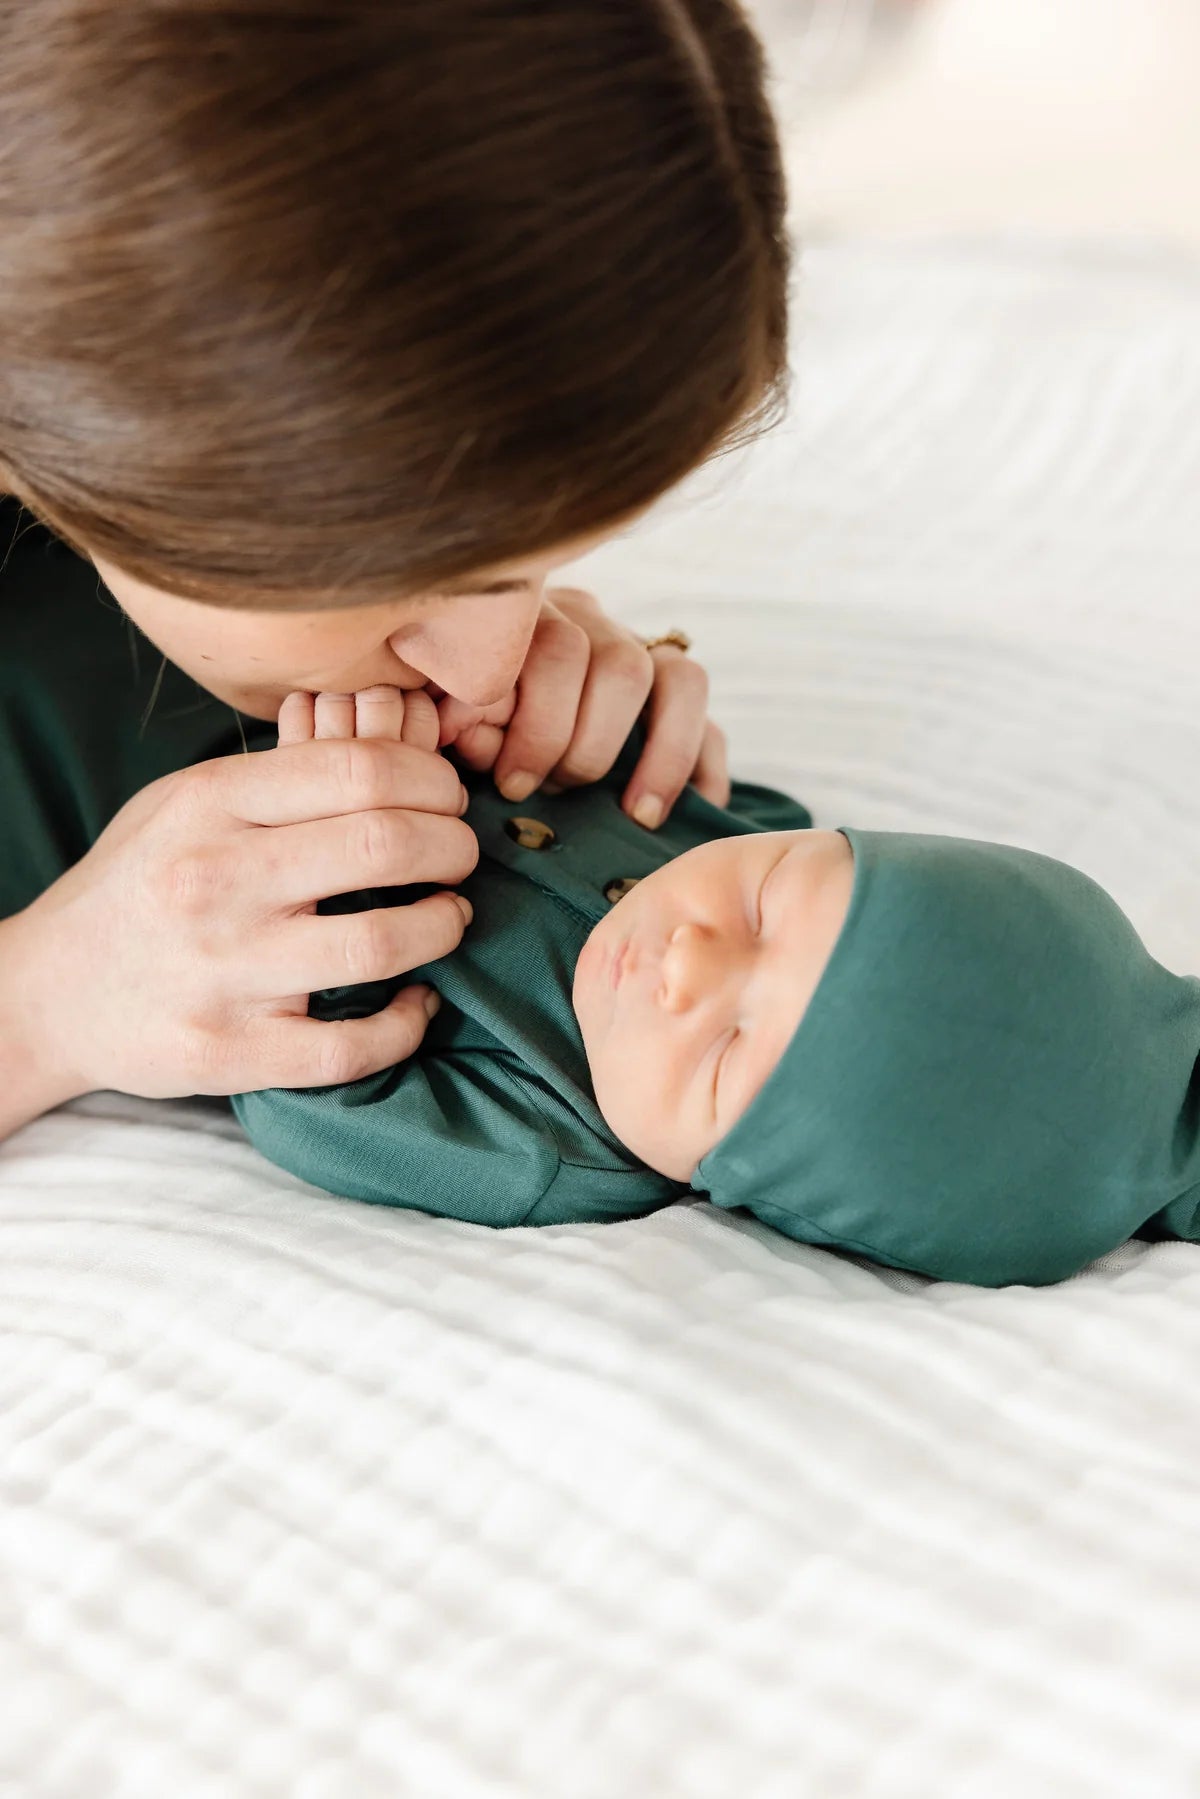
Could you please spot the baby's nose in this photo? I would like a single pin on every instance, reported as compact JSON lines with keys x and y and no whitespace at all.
{"x":695,"y":964}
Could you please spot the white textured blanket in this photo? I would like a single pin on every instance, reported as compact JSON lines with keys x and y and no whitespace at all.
{"x":305,"y":1500}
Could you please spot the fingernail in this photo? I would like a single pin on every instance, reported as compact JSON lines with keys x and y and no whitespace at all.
{"x":464,"y":905}
{"x":518,"y":785}
{"x":649,"y":811}
{"x":552,"y":789}
{"x":431,"y":1002}
{"x":466,"y":801}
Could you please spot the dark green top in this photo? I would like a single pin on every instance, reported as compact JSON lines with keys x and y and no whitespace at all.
{"x":76,"y":681}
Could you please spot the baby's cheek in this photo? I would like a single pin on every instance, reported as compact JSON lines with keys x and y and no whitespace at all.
{"x":615,"y":1080}
{"x":637,"y":1103}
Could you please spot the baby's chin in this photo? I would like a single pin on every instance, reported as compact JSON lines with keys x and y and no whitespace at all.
{"x":619,"y":1084}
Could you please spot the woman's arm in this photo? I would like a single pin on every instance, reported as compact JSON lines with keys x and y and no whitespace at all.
{"x":32,"y":1079}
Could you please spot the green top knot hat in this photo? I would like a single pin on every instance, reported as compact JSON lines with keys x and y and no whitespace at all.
{"x":994,"y":1082}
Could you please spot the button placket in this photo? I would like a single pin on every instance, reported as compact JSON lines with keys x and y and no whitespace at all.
{"x":530,"y":833}
{"x":619,"y":886}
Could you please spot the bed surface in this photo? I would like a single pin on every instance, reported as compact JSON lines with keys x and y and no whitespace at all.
{"x":302,"y":1498}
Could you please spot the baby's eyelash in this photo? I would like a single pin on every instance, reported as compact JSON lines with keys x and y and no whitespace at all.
{"x":720,"y":1063}
{"x":762,"y":888}
{"x":754,"y":910}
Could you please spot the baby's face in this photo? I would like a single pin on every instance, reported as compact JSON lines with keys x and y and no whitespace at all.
{"x":689,"y":992}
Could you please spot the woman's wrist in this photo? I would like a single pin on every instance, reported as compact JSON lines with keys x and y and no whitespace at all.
{"x":34,"y":1075}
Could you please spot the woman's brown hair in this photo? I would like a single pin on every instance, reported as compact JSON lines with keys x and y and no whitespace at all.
{"x":312,"y":301}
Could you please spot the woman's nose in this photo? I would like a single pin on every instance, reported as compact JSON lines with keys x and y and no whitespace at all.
{"x":473,"y":647}
{"x":697,"y":962}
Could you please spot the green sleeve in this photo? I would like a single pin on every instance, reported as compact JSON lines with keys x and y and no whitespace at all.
{"x":459,"y":1134}
{"x":462,"y":1133}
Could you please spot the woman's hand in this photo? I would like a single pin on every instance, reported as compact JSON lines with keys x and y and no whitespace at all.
{"x":178,"y":956}
{"x":585,"y":683}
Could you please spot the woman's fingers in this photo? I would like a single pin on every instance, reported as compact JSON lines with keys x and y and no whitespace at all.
{"x":304,"y":781}
{"x":299,"y":1051}
{"x":619,"y":680}
{"x":710,"y":776}
{"x":305,"y":955}
{"x":676,"y":720}
{"x":584,"y":685}
{"x":386,"y":847}
{"x":548,"y":695}
{"x":192,"y":942}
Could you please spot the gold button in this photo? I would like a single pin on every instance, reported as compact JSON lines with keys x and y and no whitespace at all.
{"x":616,"y":890}
{"x":530,"y":833}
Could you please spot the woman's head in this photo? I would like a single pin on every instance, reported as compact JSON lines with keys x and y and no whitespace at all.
{"x":468,"y":639}
{"x":308,"y":304}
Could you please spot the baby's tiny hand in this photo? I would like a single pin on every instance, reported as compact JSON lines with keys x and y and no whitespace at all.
{"x":387,"y":712}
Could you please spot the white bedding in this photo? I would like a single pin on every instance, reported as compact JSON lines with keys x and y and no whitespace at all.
{"x":307,"y":1499}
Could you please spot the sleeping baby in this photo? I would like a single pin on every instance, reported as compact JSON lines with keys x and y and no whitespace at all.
{"x":947,"y":1056}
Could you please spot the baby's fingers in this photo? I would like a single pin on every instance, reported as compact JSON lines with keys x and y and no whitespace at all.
{"x":480,"y":745}
{"x":421,"y":728}
{"x":296,"y":719}
{"x":381,"y":712}
{"x":333,"y":715}
{"x":457,"y":720}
